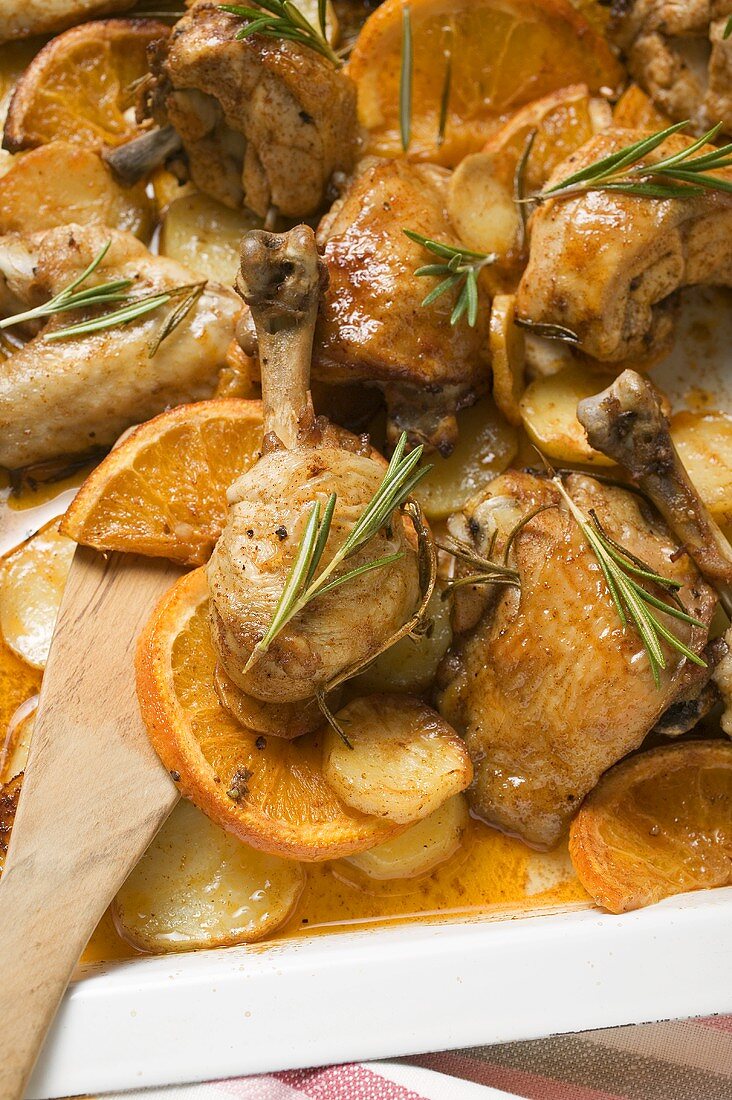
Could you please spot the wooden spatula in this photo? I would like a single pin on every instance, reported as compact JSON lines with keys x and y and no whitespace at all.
{"x":93,"y":797}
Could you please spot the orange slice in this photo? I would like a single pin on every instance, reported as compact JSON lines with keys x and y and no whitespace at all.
{"x":162,"y":490}
{"x":81,"y":86}
{"x":658,"y":824}
{"x":504,"y":53}
{"x":562,"y":121}
{"x":268,"y":791}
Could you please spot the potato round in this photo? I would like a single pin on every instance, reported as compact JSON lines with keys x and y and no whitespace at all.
{"x":549,"y":411}
{"x":485,"y":446}
{"x":204,"y":235}
{"x":197,"y":886}
{"x":482,"y":209}
{"x":508,"y":357}
{"x":704,"y":443}
{"x":411,"y":664}
{"x":405,"y":760}
{"x":420,"y":849}
{"x":31,"y":586}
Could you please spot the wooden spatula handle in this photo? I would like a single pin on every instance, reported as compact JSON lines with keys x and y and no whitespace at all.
{"x":93,"y":797}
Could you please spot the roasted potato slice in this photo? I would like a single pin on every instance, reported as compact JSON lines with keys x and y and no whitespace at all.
{"x":549,"y":412}
{"x":14,"y":753}
{"x":404,"y":760}
{"x":197,"y":886}
{"x":486,"y":445}
{"x":21,"y":18}
{"x":704,"y":442}
{"x":411,"y":664}
{"x":80,"y":87}
{"x":508,"y":357}
{"x":31,"y":586}
{"x":636,"y":111}
{"x":63,"y":184}
{"x":420,"y":849}
{"x":482,"y":208}
{"x":205,"y":236}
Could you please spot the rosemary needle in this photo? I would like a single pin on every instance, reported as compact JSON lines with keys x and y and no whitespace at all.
{"x":283,"y":20}
{"x":461,"y":269}
{"x":678,"y":176}
{"x":303,"y":582}
{"x":405,"y":80}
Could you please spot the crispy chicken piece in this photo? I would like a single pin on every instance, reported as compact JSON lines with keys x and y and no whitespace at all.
{"x":69,"y":396}
{"x":608,"y":266}
{"x":264,"y":123}
{"x":677,"y":52}
{"x":372,"y":325}
{"x":304,"y":461}
{"x":21,"y":18}
{"x":546,"y":686}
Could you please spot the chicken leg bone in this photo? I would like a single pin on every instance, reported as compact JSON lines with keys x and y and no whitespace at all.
{"x":627,"y":424}
{"x":281,"y":279}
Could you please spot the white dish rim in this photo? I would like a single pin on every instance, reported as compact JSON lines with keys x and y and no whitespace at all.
{"x":384,"y":992}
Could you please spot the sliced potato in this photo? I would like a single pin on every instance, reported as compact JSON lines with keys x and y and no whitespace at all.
{"x":14,"y":753}
{"x":61,"y":184}
{"x":636,"y":111}
{"x":197,"y":886}
{"x":704,"y":442}
{"x":549,"y":412}
{"x":508,"y":357}
{"x":481,"y":208}
{"x":31,"y":586}
{"x":421,"y":848}
{"x":404,"y":762}
{"x":486,"y":444}
{"x":411,"y":664}
{"x":205,"y":236}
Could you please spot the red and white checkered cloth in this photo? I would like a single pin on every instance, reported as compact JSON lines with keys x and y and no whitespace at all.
{"x":679,"y":1060}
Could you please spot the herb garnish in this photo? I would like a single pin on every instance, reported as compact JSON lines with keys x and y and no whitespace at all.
{"x":302,"y":585}
{"x":405,"y":80}
{"x":635,"y":604}
{"x":677,"y":176}
{"x":444,"y":101}
{"x":282,"y":19}
{"x":70,"y":298}
{"x":462,"y":269}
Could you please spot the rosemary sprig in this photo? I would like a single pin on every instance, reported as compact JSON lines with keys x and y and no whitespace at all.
{"x":282,"y":19}
{"x":405,"y":80}
{"x":70,"y":299}
{"x":485,"y":570}
{"x":548,"y":331}
{"x":444,"y":101}
{"x":677,"y":176}
{"x":302,"y":584}
{"x":634,"y":604}
{"x":461,"y":270}
{"x":728,"y":28}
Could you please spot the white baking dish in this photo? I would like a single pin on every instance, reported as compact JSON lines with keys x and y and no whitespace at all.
{"x":385,"y":992}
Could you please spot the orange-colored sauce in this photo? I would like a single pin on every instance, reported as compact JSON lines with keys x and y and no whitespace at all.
{"x":490,"y":873}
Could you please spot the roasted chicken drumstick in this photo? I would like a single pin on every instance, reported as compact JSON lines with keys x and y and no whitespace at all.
{"x":304,"y":461}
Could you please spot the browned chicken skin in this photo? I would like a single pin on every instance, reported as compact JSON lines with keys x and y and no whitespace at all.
{"x":264,"y":122}
{"x":372,"y":326}
{"x":607,"y":265}
{"x":677,"y":52}
{"x":546,"y":686}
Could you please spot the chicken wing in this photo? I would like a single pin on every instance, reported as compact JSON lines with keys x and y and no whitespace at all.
{"x":21,"y":18}
{"x":679,"y":54}
{"x":373,"y":327}
{"x":71,"y":395}
{"x":608,"y":265}
{"x":546,"y":686}
{"x":264,"y":123}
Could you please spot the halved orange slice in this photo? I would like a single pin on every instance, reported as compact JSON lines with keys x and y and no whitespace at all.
{"x":268,"y":791}
{"x":81,"y":86}
{"x":495,"y":55}
{"x":657,"y":824}
{"x":162,"y":490}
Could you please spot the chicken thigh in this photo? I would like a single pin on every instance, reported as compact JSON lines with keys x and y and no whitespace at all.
{"x":547,"y":687}
{"x":679,"y":54}
{"x":372,"y":325}
{"x":67,"y":396}
{"x":264,"y":123}
{"x":607,"y":266}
